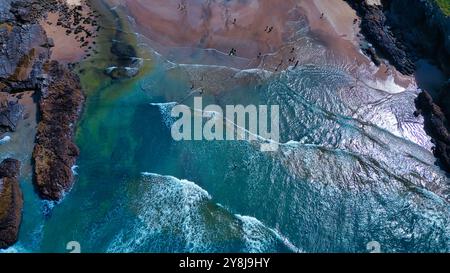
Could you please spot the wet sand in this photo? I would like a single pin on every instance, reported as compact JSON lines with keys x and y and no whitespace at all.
{"x":206,"y":32}
{"x":217,"y":24}
{"x":339,"y":29}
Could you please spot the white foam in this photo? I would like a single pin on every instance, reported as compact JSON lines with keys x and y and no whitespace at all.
{"x":165,"y":108}
{"x":178,"y":205}
{"x":389,"y":85}
{"x":74,"y":2}
{"x":264,"y":74}
{"x":5,"y":139}
{"x":74,"y":169}
{"x":110,"y":69}
{"x":17,"y":248}
{"x":254,"y":231}
{"x":170,"y":204}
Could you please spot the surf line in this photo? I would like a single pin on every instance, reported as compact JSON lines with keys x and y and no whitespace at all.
{"x":239,"y":123}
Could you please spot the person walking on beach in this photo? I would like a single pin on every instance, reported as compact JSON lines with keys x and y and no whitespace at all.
{"x":181,"y":6}
{"x":279,"y":65}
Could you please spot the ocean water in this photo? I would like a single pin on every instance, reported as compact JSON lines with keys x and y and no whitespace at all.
{"x":354,"y":166}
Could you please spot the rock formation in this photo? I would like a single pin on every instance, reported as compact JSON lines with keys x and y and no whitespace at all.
{"x":436,"y":125}
{"x":55,"y":153}
{"x":25,"y":65}
{"x":378,"y":33}
{"x":404,"y":31}
{"x":127,"y":63}
{"x":11,"y":202}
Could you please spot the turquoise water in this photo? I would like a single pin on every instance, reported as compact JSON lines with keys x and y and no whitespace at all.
{"x":337,"y":183}
{"x":354,"y":166}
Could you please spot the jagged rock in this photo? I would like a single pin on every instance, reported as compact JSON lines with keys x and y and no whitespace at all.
{"x":123,"y":51}
{"x":423,"y":28}
{"x":5,"y":14}
{"x":31,"y":11}
{"x":11,"y":202}
{"x":436,"y":125}
{"x":16,"y":50}
{"x":55,"y":153}
{"x":377,"y":32}
{"x":24,"y":66}
{"x":128,"y":63}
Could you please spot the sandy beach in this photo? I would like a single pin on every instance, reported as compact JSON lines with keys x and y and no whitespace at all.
{"x":215,"y":24}
{"x":263,"y":34}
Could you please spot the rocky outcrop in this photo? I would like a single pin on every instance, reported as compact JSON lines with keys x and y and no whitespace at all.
{"x":20,"y":56}
{"x":127,"y":63}
{"x":11,"y":202}
{"x":403,"y":31}
{"x":55,"y":153}
{"x":422,"y":27}
{"x":378,"y":33}
{"x":436,"y":125}
{"x":24,"y":66}
{"x":26,"y":12}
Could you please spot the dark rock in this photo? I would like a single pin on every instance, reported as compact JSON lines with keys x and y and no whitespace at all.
{"x":123,"y":51}
{"x":55,"y":153}
{"x":9,"y":168}
{"x":24,"y":66}
{"x":423,"y":28}
{"x":436,"y":125}
{"x":128,"y":64}
{"x":378,"y":33}
{"x":17,"y":44}
{"x":11,"y":202}
{"x":5,"y":14}
{"x":31,"y":11}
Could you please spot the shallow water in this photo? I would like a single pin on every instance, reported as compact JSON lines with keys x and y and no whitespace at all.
{"x":354,"y":166}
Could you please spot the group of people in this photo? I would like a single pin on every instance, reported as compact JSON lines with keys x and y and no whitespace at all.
{"x":268,"y":29}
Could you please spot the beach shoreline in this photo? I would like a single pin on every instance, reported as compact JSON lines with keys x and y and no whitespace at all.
{"x":213,"y":31}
